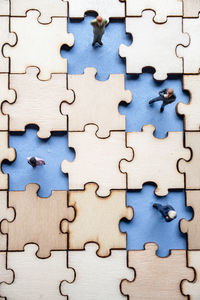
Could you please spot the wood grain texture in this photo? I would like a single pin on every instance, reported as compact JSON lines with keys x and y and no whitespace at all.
{"x":42,"y":217}
{"x":156,"y":278}
{"x":191,"y":8}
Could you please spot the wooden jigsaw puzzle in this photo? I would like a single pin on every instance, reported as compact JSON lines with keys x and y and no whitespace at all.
{"x":69,"y":244}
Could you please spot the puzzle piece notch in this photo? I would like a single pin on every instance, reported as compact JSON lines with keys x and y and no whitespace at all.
{"x":191,"y":8}
{"x":191,"y":60}
{"x":105,"y":8}
{"x":192,"y":227}
{"x":101,"y":275}
{"x":193,"y":288}
{"x":101,"y":164}
{"x":6,"y":153}
{"x":42,"y":225}
{"x":104,"y":227}
{"x":38,"y":102}
{"x":6,"y":37}
{"x":191,"y":110}
{"x":6,"y":275}
{"x":155,"y":160}
{"x":96,"y":102}
{"x":47,"y":8}
{"x":146,"y":48}
{"x":191,"y":167}
{"x":156,"y":277}
{"x":37,"y":278}
{"x":35,"y":38}
{"x":162,"y":9}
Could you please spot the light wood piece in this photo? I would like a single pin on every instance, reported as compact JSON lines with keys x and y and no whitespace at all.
{"x":97,"y":160}
{"x":38,"y":102}
{"x":191,"y":59}
{"x":5,"y":95}
{"x":96,"y":102}
{"x":97,"y":278}
{"x":155,"y":160}
{"x":191,"y":111}
{"x":192,"y":227}
{"x":39,"y":45}
{"x":163,"y":9}
{"x":42,"y":217}
{"x":103,"y":227}
{"x":47,"y":8}
{"x":104,"y":8}
{"x":4,"y":7}
{"x":5,"y":274}
{"x":36,"y":278}
{"x":193,"y":288}
{"x":153,"y":48}
{"x":156,"y":278}
{"x":191,"y":167}
{"x":6,"y":153}
{"x":191,"y":8}
{"x":5,"y":37}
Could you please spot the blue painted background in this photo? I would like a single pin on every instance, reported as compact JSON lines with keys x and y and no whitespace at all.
{"x":148,"y":224}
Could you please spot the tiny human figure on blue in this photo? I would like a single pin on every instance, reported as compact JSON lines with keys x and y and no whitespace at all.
{"x":167,"y":96}
{"x":167,"y":211}
{"x":35,"y":161}
{"x":98,"y":25}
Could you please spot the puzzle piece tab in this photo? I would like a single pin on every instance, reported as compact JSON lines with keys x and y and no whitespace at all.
{"x":42,"y":217}
{"x":39,"y":45}
{"x":38,"y":102}
{"x":155,"y":47}
{"x":97,"y":278}
{"x":104,"y":8}
{"x":6,"y":275}
{"x":5,"y":213}
{"x":47,"y":8}
{"x":103,"y":228}
{"x":155,"y":160}
{"x":163,"y":9}
{"x":36,"y":278}
{"x":97,"y":160}
{"x":96,"y":102}
{"x":156,"y":278}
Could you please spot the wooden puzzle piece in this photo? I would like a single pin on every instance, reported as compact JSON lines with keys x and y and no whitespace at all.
{"x":104,"y":227}
{"x":39,"y":45}
{"x":104,"y":8}
{"x":38,"y":102}
{"x":156,"y":278}
{"x":5,"y":95}
{"x":97,"y":160}
{"x":4,"y":9}
{"x":155,"y":160}
{"x":191,"y":111}
{"x":47,"y":8}
{"x":193,"y":288}
{"x":97,"y":278}
{"x":6,"y":153}
{"x":43,"y":221}
{"x":192,"y":227}
{"x":191,"y":59}
{"x":163,"y":9}
{"x":6,"y":275}
{"x":191,"y":167}
{"x":191,"y":8}
{"x":5,"y":213}
{"x":36,"y":278}
{"x":96,"y":102}
{"x":5,"y":37}
{"x":155,"y":47}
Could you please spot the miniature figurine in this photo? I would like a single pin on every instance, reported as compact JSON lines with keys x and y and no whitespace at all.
{"x":167,"y":211}
{"x":167,"y":96}
{"x":35,"y":161}
{"x":99,"y":25}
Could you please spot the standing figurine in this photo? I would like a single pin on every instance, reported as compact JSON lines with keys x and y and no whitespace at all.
{"x":35,"y":161}
{"x":167,"y":96}
{"x":167,"y":211}
{"x":99,"y":25}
